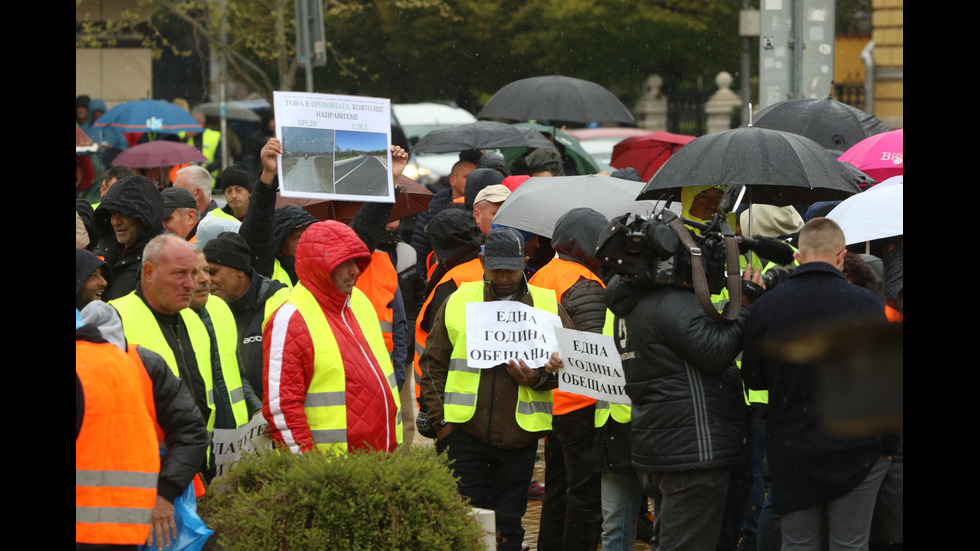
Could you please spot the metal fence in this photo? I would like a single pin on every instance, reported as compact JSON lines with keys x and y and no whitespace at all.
{"x":685,"y":112}
{"x":851,"y":93}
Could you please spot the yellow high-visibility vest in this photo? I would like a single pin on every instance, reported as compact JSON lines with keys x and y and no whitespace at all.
{"x":533,"y":411}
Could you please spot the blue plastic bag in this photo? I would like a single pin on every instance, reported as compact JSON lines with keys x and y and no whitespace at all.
{"x":192,"y":533}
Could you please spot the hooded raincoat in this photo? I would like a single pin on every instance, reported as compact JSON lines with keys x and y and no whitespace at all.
{"x":136,"y":197}
{"x":294,"y":378}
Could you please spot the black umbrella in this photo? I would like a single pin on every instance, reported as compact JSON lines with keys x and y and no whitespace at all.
{"x":556,"y":98}
{"x":778,"y":168}
{"x":832,"y":124}
{"x":479,"y":135}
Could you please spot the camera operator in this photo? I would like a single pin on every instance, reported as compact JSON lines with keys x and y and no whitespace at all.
{"x":688,"y":410}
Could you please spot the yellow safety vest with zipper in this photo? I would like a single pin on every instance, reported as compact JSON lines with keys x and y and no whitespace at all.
{"x":533,"y":412}
{"x":141,"y":327}
{"x":226,"y":333}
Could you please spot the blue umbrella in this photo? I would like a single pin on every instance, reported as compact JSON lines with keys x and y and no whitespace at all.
{"x":149,"y":115}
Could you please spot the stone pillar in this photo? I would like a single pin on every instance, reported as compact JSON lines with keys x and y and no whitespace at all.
{"x":719,"y":106}
{"x":651,"y":111}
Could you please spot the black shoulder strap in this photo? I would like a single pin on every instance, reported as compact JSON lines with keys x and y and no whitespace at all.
{"x":700,"y":280}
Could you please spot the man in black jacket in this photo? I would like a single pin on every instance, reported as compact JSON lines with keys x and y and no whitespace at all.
{"x":248,"y":295}
{"x":814,"y":474}
{"x":688,"y":412}
{"x":130,"y":214}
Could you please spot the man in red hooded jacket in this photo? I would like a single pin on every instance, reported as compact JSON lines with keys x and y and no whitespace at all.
{"x":328,"y":381}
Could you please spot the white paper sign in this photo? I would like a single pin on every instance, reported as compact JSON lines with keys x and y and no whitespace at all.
{"x":230,"y":443}
{"x":504,"y":330}
{"x":334,"y":147}
{"x":592,"y":366}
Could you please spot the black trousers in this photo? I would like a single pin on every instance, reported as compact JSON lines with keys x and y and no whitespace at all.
{"x":571,"y":515}
{"x":493,"y":478}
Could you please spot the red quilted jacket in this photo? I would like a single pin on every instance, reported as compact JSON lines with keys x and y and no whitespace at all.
{"x":288,"y":350}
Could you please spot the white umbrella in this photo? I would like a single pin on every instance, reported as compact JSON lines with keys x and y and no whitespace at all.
{"x":874,"y":214}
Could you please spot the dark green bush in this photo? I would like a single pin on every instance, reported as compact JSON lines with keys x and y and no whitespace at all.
{"x":276,"y":500}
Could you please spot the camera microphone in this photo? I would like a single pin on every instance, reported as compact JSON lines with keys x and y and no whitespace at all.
{"x":770,"y":248}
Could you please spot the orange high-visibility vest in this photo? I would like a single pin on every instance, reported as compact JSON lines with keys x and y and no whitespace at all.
{"x":467,"y":271}
{"x":560,"y":275}
{"x":115,"y":477}
{"x":147,"y":383}
{"x":379,"y":281}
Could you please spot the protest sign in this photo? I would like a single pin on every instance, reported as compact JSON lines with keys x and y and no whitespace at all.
{"x":334,"y":147}
{"x":504,"y":330}
{"x":230,"y":443}
{"x":592,"y":366}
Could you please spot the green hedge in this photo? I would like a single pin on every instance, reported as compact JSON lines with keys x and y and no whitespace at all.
{"x":278,"y":500}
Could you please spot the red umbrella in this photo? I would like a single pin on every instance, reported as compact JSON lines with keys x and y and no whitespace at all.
{"x":647,"y":153}
{"x":159,"y":153}
{"x":412,"y":198}
{"x":879,"y":156}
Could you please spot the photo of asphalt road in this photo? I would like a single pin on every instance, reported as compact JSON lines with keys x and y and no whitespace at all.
{"x":308,"y":159}
{"x":361,"y":175}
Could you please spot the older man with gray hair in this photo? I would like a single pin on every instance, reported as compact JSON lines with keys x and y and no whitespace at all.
{"x":197,"y":180}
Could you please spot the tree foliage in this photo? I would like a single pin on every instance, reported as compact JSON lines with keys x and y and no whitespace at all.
{"x":461,"y":50}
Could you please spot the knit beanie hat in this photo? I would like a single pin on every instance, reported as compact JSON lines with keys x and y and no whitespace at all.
{"x":229,"y":249}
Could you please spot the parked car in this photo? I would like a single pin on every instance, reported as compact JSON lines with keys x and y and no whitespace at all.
{"x":599,"y":142}
{"x":418,"y":119}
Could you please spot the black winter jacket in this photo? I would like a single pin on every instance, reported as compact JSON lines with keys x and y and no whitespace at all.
{"x":249,"y":312}
{"x":688,"y":408}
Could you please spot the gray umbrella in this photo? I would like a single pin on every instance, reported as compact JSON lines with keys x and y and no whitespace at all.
{"x":777,"y":168}
{"x":232,"y":112}
{"x":538,"y":203}
{"x":556,"y":98}
{"x":479,"y":135}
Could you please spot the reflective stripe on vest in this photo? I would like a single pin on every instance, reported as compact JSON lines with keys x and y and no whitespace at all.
{"x":467,"y":271}
{"x":226,"y":333}
{"x":141,"y":327}
{"x":115,"y":478}
{"x":326,"y":398}
{"x":533,"y":412}
{"x":379,"y":281}
{"x":559,"y":274}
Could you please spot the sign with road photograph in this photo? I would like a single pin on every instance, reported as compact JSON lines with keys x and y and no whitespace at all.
{"x":334,"y":147}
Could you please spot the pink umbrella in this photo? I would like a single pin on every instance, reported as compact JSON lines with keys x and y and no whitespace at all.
{"x":159,"y":153}
{"x":879,"y":156}
{"x":647,"y":153}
